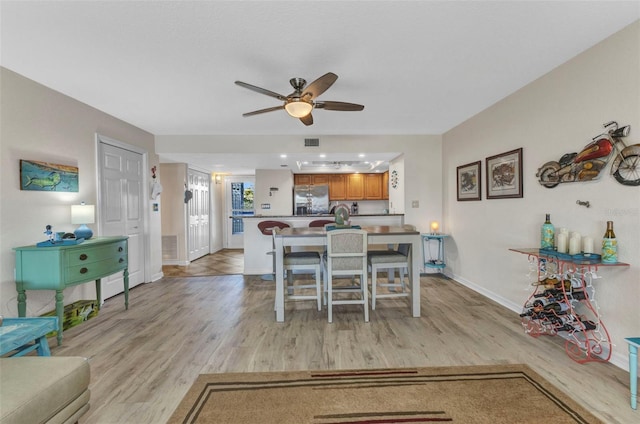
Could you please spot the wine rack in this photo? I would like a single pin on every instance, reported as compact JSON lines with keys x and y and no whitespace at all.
{"x":563,"y":303}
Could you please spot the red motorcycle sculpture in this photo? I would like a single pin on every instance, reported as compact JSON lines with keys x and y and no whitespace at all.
{"x":589,"y":163}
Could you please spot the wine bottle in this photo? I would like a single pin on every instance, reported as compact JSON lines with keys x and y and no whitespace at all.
{"x":547,"y":234}
{"x":558,"y":308}
{"x":609,"y":245}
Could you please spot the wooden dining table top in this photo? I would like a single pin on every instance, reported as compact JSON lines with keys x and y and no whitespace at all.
{"x":320,"y":231}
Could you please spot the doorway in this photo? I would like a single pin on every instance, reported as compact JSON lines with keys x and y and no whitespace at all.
{"x":121,"y":193}
{"x":239,"y":195}
{"x":198,"y":214}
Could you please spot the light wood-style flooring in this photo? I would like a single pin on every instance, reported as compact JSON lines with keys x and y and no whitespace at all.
{"x":223,"y":262}
{"x":145,"y":359}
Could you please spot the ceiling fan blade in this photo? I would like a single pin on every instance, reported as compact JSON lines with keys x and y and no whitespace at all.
{"x":261,"y":90}
{"x":338,"y":106}
{"x":257,"y":112}
{"x":307,"y":120}
{"x":320,"y":85}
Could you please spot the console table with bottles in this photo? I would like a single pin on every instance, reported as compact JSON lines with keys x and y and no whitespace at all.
{"x":562,"y":302}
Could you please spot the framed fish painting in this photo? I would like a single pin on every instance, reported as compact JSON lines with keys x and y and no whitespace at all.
{"x":43,"y":176}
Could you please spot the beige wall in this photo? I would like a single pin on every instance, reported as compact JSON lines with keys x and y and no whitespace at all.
{"x":281,"y":200}
{"x":557,"y":113}
{"x":40,"y":124}
{"x":174,"y":210}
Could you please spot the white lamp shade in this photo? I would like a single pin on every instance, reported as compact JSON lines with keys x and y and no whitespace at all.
{"x":83,"y":214}
{"x":298,"y":108}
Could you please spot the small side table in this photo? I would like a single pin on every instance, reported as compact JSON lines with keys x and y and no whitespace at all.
{"x":435,"y":262}
{"x":23,"y":335}
{"x":634,"y":344}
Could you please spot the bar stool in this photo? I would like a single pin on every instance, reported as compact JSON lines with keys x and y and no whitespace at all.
{"x":301,"y":261}
{"x":321,"y":222}
{"x":346,"y":256}
{"x":390,"y":260}
{"x":266,"y":228}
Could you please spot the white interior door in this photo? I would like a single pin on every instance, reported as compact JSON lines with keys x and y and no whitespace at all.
{"x":121,"y":209}
{"x":198,"y":214}
{"x":239,"y":193}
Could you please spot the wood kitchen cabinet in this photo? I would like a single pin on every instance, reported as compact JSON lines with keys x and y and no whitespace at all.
{"x":349,"y":186}
{"x":372,"y":186}
{"x":337,"y":187}
{"x":355,"y":187}
{"x":385,"y":186}
{"x":310,"y":179}
{"x":300,"y":179}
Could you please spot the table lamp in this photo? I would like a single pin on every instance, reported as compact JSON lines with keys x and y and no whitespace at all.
{"x":434,"y":227}
{"x":83,"y":214}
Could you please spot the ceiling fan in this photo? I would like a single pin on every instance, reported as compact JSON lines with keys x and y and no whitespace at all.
{"x":300,"y":103}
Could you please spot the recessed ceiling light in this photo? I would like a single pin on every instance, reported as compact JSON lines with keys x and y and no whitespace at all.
{"x":283,"y":156}
{"x":361,"y":155}
{"x":322,"y":155}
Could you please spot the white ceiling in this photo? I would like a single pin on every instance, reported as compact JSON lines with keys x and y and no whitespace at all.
{"x":419,"y":67}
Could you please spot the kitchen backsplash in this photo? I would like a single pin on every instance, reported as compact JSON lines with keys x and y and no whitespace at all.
{"x":365,"y":207}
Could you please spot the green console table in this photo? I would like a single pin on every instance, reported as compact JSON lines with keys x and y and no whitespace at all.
{"x":59,"y":267}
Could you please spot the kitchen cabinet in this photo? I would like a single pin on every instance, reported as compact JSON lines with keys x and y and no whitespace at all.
{"x":349,"y":186}
{"x":337,"y":187}
{"x":311,"y":179}
{"x":372,"y":186}
{"x":385,"y":186}
{"x":300,"y":179}
{"x":355,"y":187}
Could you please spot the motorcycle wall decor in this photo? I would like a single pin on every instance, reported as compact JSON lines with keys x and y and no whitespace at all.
{"x":594,"y":157}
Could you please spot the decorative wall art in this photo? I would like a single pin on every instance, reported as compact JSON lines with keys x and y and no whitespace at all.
{"x":504,"y":175}
{"x":593,"y":158}
{"x":469,"y":179}
{"x":43,"y":176}
{"x":394,"y":179}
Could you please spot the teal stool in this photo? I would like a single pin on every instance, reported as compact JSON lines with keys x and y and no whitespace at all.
{"x":634,"y":344}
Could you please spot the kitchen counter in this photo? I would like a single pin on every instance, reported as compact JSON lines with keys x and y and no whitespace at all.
{"x":256,"y":245}
{"x":317,"y":216}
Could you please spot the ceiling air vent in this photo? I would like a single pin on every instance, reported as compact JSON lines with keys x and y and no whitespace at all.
{"x":311,"y":142}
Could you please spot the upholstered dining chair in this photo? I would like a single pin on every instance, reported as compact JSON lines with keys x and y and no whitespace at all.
{"x":266,"y":228}
{"x":346,"y":256}
{"x":301,"y":261}
{"x":389,"y":260}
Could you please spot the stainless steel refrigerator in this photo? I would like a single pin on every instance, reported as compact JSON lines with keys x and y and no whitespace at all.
{"x":310,"y":199}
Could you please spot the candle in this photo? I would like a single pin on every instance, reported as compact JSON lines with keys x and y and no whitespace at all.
{"x":574,"y":245}
{"x":562,"y":243}
{"x":588,"y":245}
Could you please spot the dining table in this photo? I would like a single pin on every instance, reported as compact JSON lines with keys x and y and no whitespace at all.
{"x":376,"y":235}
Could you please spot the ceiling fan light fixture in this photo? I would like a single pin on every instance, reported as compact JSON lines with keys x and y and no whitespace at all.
{"x":298,"y":108}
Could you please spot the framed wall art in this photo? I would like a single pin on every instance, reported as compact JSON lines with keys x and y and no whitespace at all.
{"x":469,"y":180}
{"x":504,"y":175}
{"x":43,"y":176}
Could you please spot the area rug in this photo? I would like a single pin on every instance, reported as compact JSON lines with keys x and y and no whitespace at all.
{"x":506,"y":394}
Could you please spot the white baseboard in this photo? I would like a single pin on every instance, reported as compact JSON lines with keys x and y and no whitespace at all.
{"x":157,"y":276}
{"x":174,"y":262}
{"x":618,"y":359}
